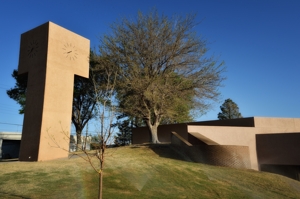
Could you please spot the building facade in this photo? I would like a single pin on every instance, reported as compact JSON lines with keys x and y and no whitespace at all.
{"x":264,"y":144}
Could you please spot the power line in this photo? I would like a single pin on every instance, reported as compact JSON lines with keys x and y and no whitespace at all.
{"x":11,"y":124}
{"x":6,"y":105}
{"x":4,"y":85}
{"x":10,"y":108}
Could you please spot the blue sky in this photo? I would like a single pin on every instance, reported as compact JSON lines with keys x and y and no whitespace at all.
{"x":258,"y":40}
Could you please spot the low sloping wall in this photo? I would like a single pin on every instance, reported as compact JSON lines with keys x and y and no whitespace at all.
{"x":183,"y":147}
{"x":218,"y":155}
{"x":227,"y":155}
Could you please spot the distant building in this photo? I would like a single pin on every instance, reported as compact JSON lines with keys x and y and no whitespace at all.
{"x":9,"y":145}
{"x":264,"y":144}
{"x":85,"y":142}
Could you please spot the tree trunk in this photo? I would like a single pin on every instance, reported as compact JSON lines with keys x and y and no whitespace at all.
{"x":154,"y":135}
{"x":101,"y":162}
{"x":153,"y":131}
{"x":100,"y":184}
{"x":78,"y":135}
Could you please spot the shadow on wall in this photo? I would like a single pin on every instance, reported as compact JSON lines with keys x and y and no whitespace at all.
{"x":218,"y":155}
{"x":278,"y":153}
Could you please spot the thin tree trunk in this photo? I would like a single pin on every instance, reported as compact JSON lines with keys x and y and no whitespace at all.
{"x":86,"y":135}
{"x":100,"y":184}
{"x":102,"y":150}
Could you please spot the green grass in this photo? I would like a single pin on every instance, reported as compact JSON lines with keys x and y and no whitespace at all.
{"x":140,"y":172}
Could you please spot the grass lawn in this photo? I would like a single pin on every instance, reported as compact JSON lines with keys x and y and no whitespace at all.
{"x":140,"y":172}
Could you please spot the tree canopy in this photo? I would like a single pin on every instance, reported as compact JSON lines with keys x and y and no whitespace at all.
{"x":229,"y":110}
{"x":162,"y":68}
{"x":18,"y":93}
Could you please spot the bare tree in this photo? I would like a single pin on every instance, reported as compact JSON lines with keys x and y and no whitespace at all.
{"x":162,"y":67}
{"x":105,"y":113}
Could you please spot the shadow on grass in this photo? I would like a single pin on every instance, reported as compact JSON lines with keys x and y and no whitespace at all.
{"x":164,"y":150}
{"x":9,"y":195}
